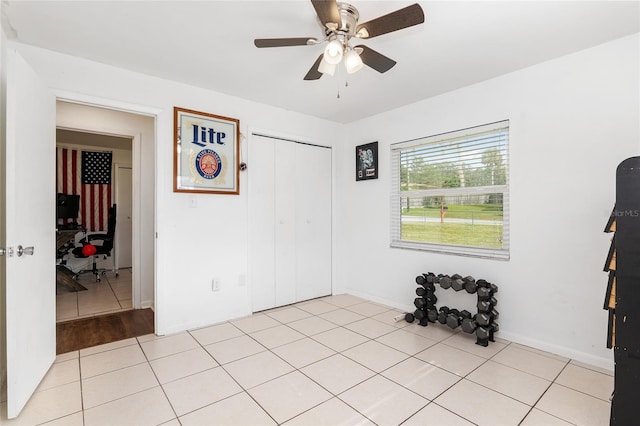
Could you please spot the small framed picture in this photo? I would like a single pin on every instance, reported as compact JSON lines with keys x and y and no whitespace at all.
{"x":367,"y":161}
{"x":206,"y":153}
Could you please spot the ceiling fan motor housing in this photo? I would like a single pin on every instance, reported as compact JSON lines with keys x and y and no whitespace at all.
{"x":349,"y":16}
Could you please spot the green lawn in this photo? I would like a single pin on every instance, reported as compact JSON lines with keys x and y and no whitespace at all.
{"x":468,"y":211}
{"x":453,"y":233}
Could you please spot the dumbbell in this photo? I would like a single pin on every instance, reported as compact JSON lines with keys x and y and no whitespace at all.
{"x":431,"y":299}
{"x":453,"y":312}
{"x":421,"y":279}
{"x":424,"y":322}
{"x":485,"y":292}
{"x":470,"y":284}
{"x":486,"y":289}
{"x":419,"y":314}
{"x":445,"y":282}
{"x":431,"y":278}
{"x":456,"y":276}
{"x":486,"y":333}
{"x":421,"y":291}
{"x":442,"y":314}
{"x":486,"y":305}
{"x":454,"y":321}
{"x":457,"y":284}
{"x":486,"y":318}
{"x":469,"y":325}
{"x":432,"y":315}
{"x":420,"y":302}
{"x":409,"y":317}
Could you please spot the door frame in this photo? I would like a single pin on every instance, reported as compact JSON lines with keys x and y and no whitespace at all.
{"x":117,"y":192}
{"x":98,"y":102}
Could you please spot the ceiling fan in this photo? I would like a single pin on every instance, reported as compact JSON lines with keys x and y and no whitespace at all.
{"x":339,"y":22}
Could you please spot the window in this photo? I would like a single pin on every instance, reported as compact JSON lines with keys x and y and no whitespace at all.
{"x":450,"y":192}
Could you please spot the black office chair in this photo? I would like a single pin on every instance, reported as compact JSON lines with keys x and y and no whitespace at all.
{"x":103,"y":248}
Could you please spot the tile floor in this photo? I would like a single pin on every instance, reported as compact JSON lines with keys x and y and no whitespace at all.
{"x":338,"y":360}
{"x":111,"y":294}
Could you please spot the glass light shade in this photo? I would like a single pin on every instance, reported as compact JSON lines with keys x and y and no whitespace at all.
{"x":333,"y":52}
{"x":352,"y":61}
{"x":326,"y":68}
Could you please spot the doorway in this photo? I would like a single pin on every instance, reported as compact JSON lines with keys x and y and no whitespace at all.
{"x":85,"y":294}
{"x":129,"y":279}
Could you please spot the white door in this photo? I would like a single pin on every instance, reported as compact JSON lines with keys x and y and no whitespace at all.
{"x":261,"y":223}
{"x":285,"y":232}
{"x":29,"y":215}
{"x":313,"y":221}
{"x":123,"y":239}
{"x":289,"y":222}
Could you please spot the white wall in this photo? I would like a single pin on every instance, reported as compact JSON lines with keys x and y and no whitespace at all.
{"x":197,"y":244}
{"x":572,"y":120}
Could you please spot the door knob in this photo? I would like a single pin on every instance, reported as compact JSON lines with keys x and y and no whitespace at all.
{"x":27,"y":251}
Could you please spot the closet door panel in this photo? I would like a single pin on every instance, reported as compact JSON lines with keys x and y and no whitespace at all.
{"x":285,"y":229}
{"x":313,"y":221}
{"x":262,"y":223}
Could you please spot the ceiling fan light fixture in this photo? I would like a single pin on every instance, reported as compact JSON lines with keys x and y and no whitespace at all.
{"x":352,"y":61}
{"x":326,"y":68}
{"x":333,"y":52}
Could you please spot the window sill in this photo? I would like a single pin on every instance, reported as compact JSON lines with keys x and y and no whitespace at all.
{"x":484,"y":253}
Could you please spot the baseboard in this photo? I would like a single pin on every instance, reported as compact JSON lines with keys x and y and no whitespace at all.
{"x":600,"y":362}
{"x":596,"y":361}
{"x":400,"y":306}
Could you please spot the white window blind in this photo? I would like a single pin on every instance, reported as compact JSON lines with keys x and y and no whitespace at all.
{"x":450,"y":192}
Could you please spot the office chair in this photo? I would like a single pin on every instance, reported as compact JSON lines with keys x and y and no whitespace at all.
{"x":103,"y":248}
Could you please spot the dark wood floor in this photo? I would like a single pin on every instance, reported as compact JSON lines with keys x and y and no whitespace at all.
{"x":87,"y":332}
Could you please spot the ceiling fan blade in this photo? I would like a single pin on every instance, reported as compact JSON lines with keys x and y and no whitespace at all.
{"x":394,"y":21}
{"x":281,"y":42}
{"x":327,"y":11}
{"x":375,"y":60}
{"x":313,"y":73}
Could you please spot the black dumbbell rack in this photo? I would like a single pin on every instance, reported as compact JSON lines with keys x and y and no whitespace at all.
{"x":482,"y":323}
{"x":623,"y":293}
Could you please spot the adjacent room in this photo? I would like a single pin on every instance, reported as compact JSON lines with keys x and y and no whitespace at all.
{"x":374,"y":212}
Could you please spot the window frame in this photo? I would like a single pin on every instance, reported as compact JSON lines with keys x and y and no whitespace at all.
{"x":397,"y":194}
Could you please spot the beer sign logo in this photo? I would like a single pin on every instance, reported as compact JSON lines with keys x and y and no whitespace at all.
{"x":208,"y":164}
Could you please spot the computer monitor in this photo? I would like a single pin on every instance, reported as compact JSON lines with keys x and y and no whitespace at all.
{"x":67,"y":206}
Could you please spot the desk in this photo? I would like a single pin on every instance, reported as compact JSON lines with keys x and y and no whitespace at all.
{"x":63,"y":236}
{"x":64,"y":275}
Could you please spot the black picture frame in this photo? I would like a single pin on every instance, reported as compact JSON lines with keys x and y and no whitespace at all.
{"x":367,"y":161}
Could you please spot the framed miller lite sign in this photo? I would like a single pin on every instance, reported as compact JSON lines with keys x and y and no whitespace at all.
{"x":206,"y":153}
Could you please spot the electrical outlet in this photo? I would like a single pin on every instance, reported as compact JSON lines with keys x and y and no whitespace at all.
{"x":215,"y":284}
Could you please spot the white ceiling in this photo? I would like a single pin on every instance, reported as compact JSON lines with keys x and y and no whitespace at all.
{"x":210,"y":44}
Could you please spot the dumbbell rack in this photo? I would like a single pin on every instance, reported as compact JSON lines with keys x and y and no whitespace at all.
{"x":482,"y":323}
{"x":623,"y":293}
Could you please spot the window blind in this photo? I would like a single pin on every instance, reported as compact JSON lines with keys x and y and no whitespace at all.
{"x":450,"y":192}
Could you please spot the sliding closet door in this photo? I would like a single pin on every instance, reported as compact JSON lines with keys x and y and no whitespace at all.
{"x":262,"y":223}
{"x":313,"y":221}
{"x":285,"y":226}
{"x":289,"y":222}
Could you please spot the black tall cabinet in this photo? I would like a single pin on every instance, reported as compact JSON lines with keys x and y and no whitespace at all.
{"x":625,"y":406}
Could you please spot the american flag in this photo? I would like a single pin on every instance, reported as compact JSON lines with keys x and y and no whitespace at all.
{"x":88,"y":174}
